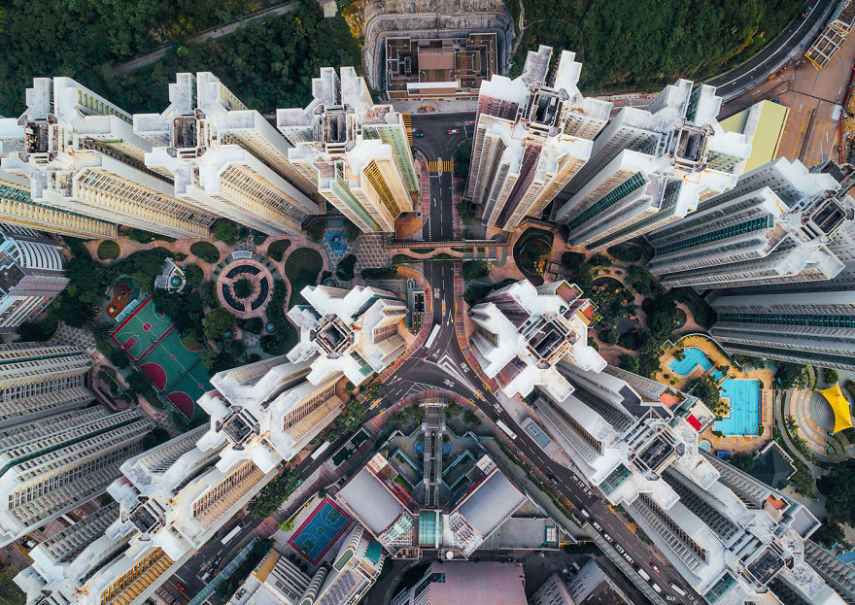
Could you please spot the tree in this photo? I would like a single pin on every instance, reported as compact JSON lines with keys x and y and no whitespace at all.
{"x":704,"y":388}
{"x":788,"y":374}
{"x":373,"y":390}
{"x":351,"y":231}
{"x":452,"y":410}
{"x":743,"y":461}
{"x":628,"y":363}
{"x":475,"y":269}
{"x":253,"y":324}
{"x":242,"y":287}
{"x":217,"y":323}
{"x":139,"y":382}
{"x":829,"y":533}
{"x":466,"y":212}
{"x":839,"y":490}
{"x":315,"y":231}
{"x":119,"y":358}
{"x":641,"y":280}
{"x":344,"y":270}
{"x":830,"y":376}
{"x":225,"y":231}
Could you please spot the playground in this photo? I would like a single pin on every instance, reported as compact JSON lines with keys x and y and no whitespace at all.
{"x":150,"y":340}
{"x":320,"y":531}
{"x":123,"y":293}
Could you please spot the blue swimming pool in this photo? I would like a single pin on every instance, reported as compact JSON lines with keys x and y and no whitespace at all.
{"x":694,"y":357}
{"x":717,"y":375}
{"x":744,"y":396}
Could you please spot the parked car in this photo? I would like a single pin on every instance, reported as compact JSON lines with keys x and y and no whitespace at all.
{"x":453,"y":131}
{"x":655,"y":567}
{"x":619,"y":548}
{"x":417,"y":134}
{"x":597,"y":526}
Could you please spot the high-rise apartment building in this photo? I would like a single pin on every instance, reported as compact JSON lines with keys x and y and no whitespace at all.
{"x":353,"y":332}
{"x":731,"y":537}
{"x":37,"y":381}
{"x":80,"y":157}
{"x":523,"y":331}
{"x":226,"y":160}
{"x":31,"y":275}
{"x":174,"y":497}
{"x":54,"y":464}
{"x":355,"y":152}
{"x":780,"y":224}
{"x":269,"y":411}
{"x":805,"y":327}
{"x":353,"y":571}
{"x":651,"y":167}
{"x":532,"y":136}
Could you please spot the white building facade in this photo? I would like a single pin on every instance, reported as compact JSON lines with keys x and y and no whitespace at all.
{"x":79,"y":155}
{"x":780,"y":224}
{"x":226,"y":160}
{"x":531,"y":138}
{"x":355,"y":152}
{"x":651,"y":167}
{"x":523,"y":331}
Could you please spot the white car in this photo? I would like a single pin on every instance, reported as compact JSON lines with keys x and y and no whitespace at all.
{"x":597,"y":526}
{"x":608,"y":538}
{"x":670,"y":597}
{"x":619,"y":548}
{"x":628,"y":558}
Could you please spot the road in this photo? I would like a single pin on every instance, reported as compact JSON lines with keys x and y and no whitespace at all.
{"x":796,"y":36}
{"x":444,"y":367}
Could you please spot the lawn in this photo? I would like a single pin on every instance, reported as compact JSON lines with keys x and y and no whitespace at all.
{"x":302,"y":269}
{"x":108,"y":250}
{"x":206,"y":251}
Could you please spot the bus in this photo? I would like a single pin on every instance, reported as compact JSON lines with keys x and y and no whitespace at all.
{"x":317,"y":453}
{"x":231,"y":535}
{"x":432,"y":336}
{"x":506,"y":429}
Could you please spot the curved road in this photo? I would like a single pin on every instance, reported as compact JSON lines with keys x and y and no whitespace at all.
{"x":794,"y":40}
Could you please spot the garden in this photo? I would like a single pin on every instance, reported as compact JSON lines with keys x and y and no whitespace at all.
{"x":531,"y":253}
{"x":302,"y":268}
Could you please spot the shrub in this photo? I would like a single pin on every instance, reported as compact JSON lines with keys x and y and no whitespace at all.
{"x":242,"y":287}
{"x":108,"y":250}
{"x":830,"y":376}
{"x":788,"y":374}
{"x":627,"y":254}
{"x":276,"y":250}
{"x":225,"y":231}
{"x":194,"y":274}
{"x":466,"y":212}
{"x":379,"y":273}
{"x":475,"y":269}
{"x":641,"y":280}
{"x":351,"y":231}
{"x":705,"y":388}
{"x":206,"y":251}
{"x":600,"y":260}
{"x":253,"y":324}
{"x":344,"y":270}
{"x":315,"y":231}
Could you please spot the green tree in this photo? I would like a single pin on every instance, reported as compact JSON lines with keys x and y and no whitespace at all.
{"x":344,"y":270}
{"x":704,"y":388}
{"x":351,"y":231}
{"x":788,"y":374}
{"x":829,"y":533}
{"x":830,"y":376}
{"x":225,"y":231}
{"x":466,"y":212}
{"x":839,"y":490}
{"x":475,"y":269}
{"x":242,"y":287}
{"x":315,"y":231}
{"x":216,"y":323}
{"x":743,"y":461}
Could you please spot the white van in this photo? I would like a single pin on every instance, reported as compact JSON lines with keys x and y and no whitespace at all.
{"x":655,"y":587}
{"x":643,"y":574}
{"x":585,"y":513}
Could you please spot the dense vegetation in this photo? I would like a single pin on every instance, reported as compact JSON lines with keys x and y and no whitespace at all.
{"x":644,"y":44}
{"x":268,"y":63}
{"x":206,"y":251}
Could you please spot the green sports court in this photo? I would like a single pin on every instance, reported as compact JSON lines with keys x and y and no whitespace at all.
{"x":151,"y":341}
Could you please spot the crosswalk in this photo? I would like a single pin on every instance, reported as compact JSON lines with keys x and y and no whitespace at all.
{"x":408,"y":126}
{"x":444,"y":166}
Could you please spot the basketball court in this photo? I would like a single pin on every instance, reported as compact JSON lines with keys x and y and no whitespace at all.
{"x":320,"y":531}
{"x":151,"y":341}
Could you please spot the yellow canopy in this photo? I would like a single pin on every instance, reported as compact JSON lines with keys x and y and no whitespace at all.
{"x":840,"y":406}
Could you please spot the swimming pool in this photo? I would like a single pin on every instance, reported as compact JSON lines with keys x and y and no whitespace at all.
{"x":694,"y":357}
{"x":744,"y":396}
{"x":717,"y":375}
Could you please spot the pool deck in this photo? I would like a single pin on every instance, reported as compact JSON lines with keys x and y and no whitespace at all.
{"x":733,"y":443}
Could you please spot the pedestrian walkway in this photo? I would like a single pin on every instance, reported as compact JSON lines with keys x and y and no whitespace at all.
{"x":440,"y":167}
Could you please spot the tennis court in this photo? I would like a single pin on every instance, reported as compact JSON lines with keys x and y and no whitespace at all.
{"x":320,"y":531}
{"x":149,"y":338}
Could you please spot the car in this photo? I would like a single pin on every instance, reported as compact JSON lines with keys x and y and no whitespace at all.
{"x":417,"y":134}
{"x":670,"y":597}
{"x":179,"y":586}
{"x":628,"y":558}
{"x":453,"y":131}
{"x":553,"y":480}
{"x":576,"y":566}
{"x":655,"y":567}
{"x":655,"y":587}
{"x":597,"y":526}
{"x":608,"y":538}
{"x":619,"y":548}
{"x":585,"y":513}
